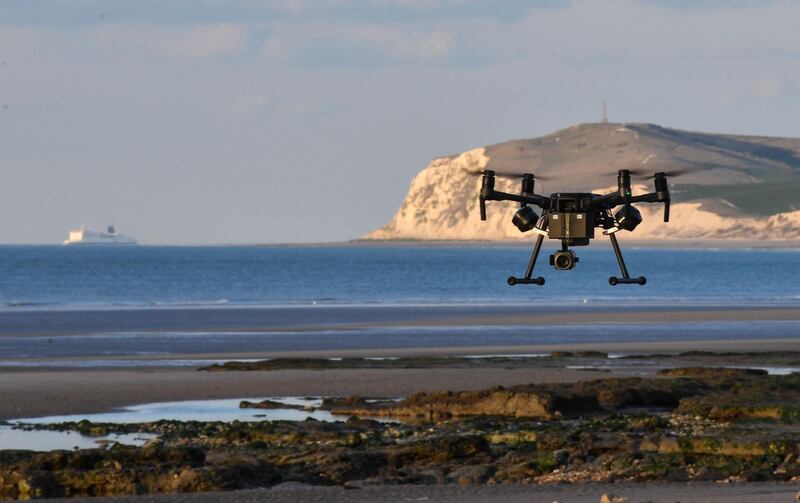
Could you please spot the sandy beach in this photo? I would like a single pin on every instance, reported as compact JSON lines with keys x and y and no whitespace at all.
{"x":44,"y":379}
{"x":306,"y":319}
{"x":36,"y":392}
{"x":32,"y":392}
{"x":41,"y":393}
{"x":152,"y":337}
{"x":41,"y":390}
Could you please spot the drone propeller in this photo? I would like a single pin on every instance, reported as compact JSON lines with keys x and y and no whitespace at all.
{"x":649,"y":175}
{"x":668,"y":174}
{"x":510,"y":174}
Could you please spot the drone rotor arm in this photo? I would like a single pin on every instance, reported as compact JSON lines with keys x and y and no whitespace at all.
{"x":607,"y":201}
{"x":651,"y":197}
{"x":534,"y":199}
{"x":655,"y":197}
{"x":542,"y":202}
{"x":661,"y":194}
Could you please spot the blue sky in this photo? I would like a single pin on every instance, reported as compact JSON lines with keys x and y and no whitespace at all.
{"x":300,"y":120}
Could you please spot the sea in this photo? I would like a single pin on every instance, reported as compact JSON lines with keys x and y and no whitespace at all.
{"x":59,"y":277}
{"x":173,"y":306}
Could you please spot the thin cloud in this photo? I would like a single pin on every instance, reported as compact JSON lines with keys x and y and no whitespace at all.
{"x":204,"y":41}
{"x":767,"y":88}
{"x":386,"y":43}
{"x":124,"y":41}
{"x":406,"y":45}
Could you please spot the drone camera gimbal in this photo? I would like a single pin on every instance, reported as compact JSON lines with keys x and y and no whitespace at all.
{"x":572,"y":218}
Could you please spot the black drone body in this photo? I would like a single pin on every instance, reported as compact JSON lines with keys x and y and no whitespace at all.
{"x":573,"y":218}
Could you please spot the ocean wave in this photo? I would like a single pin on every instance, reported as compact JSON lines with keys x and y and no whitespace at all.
{"x":27,"y":303}
{"x":101,"y":363}
{"x":218,"y":302}
{"x":633,"y":301}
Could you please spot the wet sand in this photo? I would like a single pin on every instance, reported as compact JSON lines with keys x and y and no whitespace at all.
{"x":38,"y":392}
{"x":156,"y":334}
{"x":44,"y":393}
{"x":305,"y":319}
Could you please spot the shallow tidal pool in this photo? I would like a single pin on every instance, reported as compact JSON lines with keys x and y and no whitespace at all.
{"x":226,"y":410}
{"x":44,"y":440}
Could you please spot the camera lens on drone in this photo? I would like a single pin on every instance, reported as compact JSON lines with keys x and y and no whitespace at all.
{"x":563,"y":260}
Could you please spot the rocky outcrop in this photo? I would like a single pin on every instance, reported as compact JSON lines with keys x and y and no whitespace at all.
{"x":603,"y":444}
{"x":674,"y":434}
{"x":711,"y":372}
{"x":269,"y":405}
{"x":737,"y":186}
{"x":543,"y":401}
{"x":446,"y":405}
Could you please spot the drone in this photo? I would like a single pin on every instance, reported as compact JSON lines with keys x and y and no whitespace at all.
{"x":572,"y":217}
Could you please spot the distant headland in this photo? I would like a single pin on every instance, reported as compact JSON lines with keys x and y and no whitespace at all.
{"x":738,"y":187}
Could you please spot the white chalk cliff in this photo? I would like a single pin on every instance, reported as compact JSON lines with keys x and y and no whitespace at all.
{"x":736,"y":187}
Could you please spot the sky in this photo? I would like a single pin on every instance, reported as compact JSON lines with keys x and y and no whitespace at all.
{"x":288,"y":121}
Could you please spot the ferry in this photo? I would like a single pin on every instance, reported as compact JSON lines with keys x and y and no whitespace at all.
{"x":84,"y":236}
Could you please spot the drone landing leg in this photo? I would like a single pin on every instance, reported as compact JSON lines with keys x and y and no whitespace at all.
{"x":625,"y":279}
{"x":527,"y":280}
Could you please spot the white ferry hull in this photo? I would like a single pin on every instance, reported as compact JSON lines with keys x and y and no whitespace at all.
{"x":67,"y":242}
{"x":83,"y":237}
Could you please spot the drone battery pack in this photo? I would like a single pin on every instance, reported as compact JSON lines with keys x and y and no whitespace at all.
{"x":569,"y":226}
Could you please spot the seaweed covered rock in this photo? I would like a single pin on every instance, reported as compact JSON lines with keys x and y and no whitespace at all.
{"x":120,"y":470}
{"x":545,"y":401}
{"x":759,"y":397}
{"x":711,"y":372}
{"x":704,"y":425}
{"x":269,"y":404}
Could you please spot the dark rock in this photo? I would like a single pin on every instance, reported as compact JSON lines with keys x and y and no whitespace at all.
{"x":711,"y":372}
{"x":578,"y":354}
{"x":516,"y":472}
{"x":471,"y":475}
{"x":268,"y":404}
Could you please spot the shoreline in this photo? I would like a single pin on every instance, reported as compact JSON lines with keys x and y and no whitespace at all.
{"x":143,"y":338}
{"x":525,"y":241}
{"x":309,"y":319}
{"x":48,"y":393}
{"x":474,"y":459}
{"x":41,"y":392}
{"x":34,"y":392}
{"x":628,"y":348}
